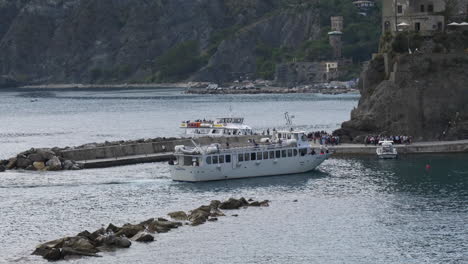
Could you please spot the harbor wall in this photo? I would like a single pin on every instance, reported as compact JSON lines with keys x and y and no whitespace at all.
{"x":147,"y":148}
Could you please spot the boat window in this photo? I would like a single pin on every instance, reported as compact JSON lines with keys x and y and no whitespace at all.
{"x":259,"y":155}
{"x":221,"y":159}
{"x":208,"y":160}
{"x":247,"y":156}
{"x":265,"y":155}
{"x":253,"y":156}
{"x":278,"y":154}
{"x":215,"y":159}
{"x":272,"y":154}
{"x":228,"y":158}
{"x":295,"y":152}
{"x":283,"y":153}
{"x":240,"y":157}
{"x":290,"y":152}
{"x":303,"y":151}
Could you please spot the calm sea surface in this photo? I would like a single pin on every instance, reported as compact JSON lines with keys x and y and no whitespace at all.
{"x":350,"y":210}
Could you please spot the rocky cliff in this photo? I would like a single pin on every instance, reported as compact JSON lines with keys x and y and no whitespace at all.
{"x":66,"y":41}
{"x":422,"y":95}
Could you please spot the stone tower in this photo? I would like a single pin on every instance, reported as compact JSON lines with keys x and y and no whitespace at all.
{"x":335,"y":36}
{"x":337,"y":23}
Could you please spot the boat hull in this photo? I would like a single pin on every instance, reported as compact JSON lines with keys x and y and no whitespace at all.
{"x":250,"y":169}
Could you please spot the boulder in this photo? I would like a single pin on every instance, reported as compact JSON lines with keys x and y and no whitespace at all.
{"x":68,"y":165}
{"x":2,"y":168}
{"x":30,"y":168}
{"x":232,"y":204}
{"x":212,"y":219}
{"x":147,"y":222}
{"x":53,"y":254}
{"x":112,"y":228}
{"x":35,"y":157}
{"x":54,"y":164}
{"x":81,"y":244}
{"x":38,"y":165}
{"x":46,"y":154}
{"x":215,"y":204}
{"x":22,"y":162}
{"x":113,"y":241}
{"x":179,"y":215}
{"x":163,"y":226}
{"x":11,"y":163}
{"x":143,"y":237}
{"x":198,"y":216}
{"x":129,"y":230}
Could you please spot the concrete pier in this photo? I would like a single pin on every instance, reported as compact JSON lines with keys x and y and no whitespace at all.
{"x":419,"y":147}
{"x":340,"y":150}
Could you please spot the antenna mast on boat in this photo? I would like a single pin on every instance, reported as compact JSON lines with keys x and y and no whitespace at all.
{"x":289,"y":119}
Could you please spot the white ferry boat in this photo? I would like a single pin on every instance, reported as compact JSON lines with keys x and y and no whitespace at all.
{"x":386,"y":150}
{"x":288,"y":152}
{"x":226,"y":126}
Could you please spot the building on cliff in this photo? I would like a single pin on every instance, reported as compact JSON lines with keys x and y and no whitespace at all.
{"x":364,"y":6}
{"x":424,"y":16}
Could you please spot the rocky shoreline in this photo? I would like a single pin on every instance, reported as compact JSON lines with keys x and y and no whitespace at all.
{"x":272,"y":90}
{"x":89,"y":244}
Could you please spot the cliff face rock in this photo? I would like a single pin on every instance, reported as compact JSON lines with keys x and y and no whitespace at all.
{"x":426,"y":96}
{"x":124,"y":40}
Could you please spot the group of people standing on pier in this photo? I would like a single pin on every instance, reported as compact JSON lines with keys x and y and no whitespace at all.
{"x":374,"y":140}
{"x":323,"y":138}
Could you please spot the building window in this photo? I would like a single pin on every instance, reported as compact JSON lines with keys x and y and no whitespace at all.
{"x":417,"y":26}
{"x":422,"y":9}
{"x":439,"y":26}
{"x":399,"y":9}
{"x":430,"y":8}
{"x":228,"y":158}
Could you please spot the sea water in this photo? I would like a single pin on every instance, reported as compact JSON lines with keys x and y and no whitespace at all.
{"x":350,"y":210}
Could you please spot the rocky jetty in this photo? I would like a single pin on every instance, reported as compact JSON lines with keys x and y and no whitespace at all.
{"x":422,"y":94}
{"x":88,"y":244}
{"x":42,"y":159}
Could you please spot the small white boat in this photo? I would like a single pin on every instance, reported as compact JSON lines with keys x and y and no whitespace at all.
{"x":386,"y":150}
{"x":220,"y":127}
{"x":288,"y":152}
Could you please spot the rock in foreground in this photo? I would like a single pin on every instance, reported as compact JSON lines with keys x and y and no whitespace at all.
{"x":87,"y":244}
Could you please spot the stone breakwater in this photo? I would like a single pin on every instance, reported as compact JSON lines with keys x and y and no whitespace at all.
{"x":73,"y":158}
{"x":88,"y":244}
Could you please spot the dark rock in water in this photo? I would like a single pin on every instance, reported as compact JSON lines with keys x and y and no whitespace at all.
{"x":35,"y":157}
{"x":215,"y":204}
{"x":81,"y":244}
{"x":2,"y":168}
{"x":163,"y":226}
{"x":23,"y":162}
{"x":295,"y":201}
{"x":162,"y":219}
{"x":112,"y":228}
{"x":46,"y":154}
{"x":232,"y":204}
{"x":179,"y":215}
{"x":129,"y":230}
{"x":235,"y":215}
{"x":213,"y":219}
{"x":199,"y":216}
{"x":30,"y":168}
{"x":54,"y":164}
{"x":143,"y":237}
{"x":113,"y":241}
{"x":68,"y":165}
{"x":53,"y":254}
{"x":11,"y":163}
{"x":146,"y":222}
